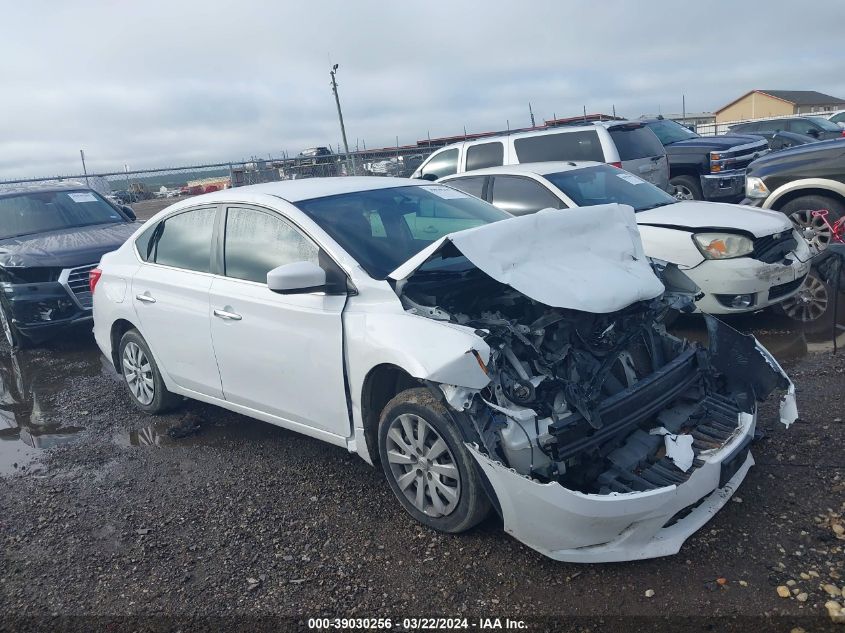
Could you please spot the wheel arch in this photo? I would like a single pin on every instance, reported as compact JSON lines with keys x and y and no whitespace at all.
{"x":807,"y":187}
{"x":381,"y":384}
{"x":118,"y":329}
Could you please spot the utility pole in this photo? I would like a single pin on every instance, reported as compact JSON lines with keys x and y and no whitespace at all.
{"x":684,"y":108}
{"x":84,"y":170}
{"x":531,"y":112}
{"x":340,"y":116}
{"x":585,"y":114}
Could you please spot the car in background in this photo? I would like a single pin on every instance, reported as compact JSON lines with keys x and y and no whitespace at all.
{"x":629,"y":145}
{"x":706,"y":167}
{"x":741,"y":261}
{"x":818,"y":127}
{"x":50,"y":239}
{"x":837,"y":117}
{"x":452,"y":344}
{"x":798,"y":181}
{"x":316,"y":162}
{"x":784,"y":140}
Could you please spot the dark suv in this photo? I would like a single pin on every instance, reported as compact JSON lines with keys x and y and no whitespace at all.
{"x":50,"y":238}
{"x":817,"y":127}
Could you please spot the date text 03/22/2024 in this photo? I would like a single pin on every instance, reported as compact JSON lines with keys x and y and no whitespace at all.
{"x":417,"y":624}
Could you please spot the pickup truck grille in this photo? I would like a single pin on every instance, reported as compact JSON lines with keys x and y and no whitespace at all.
{"x":76,"y":281}
{"x":741,"y":156}
{"x":773,"y":248}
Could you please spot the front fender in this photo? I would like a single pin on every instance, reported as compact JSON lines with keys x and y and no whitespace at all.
{"x":805,"y":183}
{"x":670,"y":245}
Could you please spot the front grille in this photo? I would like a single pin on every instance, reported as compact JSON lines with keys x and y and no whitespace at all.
{"x":76,"y":280}
{"x":773,"y":248}
{"x":782,"y":290}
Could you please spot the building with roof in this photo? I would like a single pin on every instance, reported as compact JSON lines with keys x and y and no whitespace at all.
{"x":759,"y":104}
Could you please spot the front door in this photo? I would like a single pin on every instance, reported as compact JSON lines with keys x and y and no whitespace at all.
{"x":278,"y":354}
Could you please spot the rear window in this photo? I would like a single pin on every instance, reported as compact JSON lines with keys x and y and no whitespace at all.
{"x":485,"y":155}
{"x":636,"y":142}
{"x":563,"y":146}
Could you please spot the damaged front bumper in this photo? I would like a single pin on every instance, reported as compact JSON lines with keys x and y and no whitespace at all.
{"x":572,"y":526}
{"x":40,"y":310}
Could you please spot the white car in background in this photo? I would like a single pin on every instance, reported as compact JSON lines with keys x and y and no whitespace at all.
{"x":742,"y":259}
{"x":483,"y":360}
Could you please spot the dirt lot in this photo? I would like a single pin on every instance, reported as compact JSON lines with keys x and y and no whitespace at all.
{"x":242,"y":520}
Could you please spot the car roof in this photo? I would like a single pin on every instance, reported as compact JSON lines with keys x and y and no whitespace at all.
{"x":308,"y":188}
{"x":541,"y":169}
{"x":19,"y":189}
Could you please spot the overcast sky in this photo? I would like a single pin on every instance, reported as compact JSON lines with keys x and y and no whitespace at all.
{"x":178,"y":82}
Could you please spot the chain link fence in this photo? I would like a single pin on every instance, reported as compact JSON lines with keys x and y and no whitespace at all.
{"x":169,"y":182}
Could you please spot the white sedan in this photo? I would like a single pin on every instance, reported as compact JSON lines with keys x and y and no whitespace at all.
{"x":482,"y":360}
{"x":743,"y":259}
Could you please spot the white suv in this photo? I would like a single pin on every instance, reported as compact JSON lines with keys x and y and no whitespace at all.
{"x":628,"y":145}
{"x":483,"y":360}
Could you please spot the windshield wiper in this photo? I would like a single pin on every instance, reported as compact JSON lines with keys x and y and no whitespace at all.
{"x":659,"y":204}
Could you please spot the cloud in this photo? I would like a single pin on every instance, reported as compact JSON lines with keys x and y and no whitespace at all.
{"x":173,"y":83}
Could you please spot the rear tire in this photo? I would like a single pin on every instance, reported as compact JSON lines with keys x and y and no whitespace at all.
{"x":687,"y":188}
{"x":428,"y":467}
{"x":799,"y":211}
{"x":141,"y":376}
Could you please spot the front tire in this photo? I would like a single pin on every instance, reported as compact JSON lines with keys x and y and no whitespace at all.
{"x":141,"y":376}
{"x":687,"y":188}
{"x":428,"y":467}
{"x":800,"y":212}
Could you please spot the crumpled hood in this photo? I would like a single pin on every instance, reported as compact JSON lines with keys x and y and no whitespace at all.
{"x":693,"y":214}
{"x":65,"y":248}
{"x":588,"y":259}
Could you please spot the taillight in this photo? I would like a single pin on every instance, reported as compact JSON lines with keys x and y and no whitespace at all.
{"x":843,"y":132}
{"x":617,"y":164}
{"x":93,"y":278}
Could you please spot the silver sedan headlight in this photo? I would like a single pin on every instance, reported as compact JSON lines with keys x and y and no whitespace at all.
{"x":723,"y":245}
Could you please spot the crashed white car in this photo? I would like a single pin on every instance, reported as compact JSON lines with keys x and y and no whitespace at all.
{"x":743,"y":259}
{"x":484,"y":360}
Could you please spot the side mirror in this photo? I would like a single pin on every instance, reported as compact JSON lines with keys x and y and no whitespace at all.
{"x":813,"y":133}
{"x":296,"y":278}
{"x":429,"y":177}
{"x":129,"y":212}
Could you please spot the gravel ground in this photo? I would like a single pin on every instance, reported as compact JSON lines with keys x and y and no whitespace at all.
{"x":246,"y":520}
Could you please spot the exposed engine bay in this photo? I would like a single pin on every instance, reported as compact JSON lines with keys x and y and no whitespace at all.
{"x":600,"y":403}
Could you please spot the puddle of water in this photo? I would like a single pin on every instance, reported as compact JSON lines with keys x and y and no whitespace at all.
{"x":211,"y":432}
{"x":30,"y":393}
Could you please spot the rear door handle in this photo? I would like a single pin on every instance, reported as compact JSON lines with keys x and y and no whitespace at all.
{"x":145,"y":298}
{"x":227,"y":316}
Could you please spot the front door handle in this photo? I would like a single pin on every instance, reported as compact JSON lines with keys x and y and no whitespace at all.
{"x":227,"y":316}
{"x":145,"y":298}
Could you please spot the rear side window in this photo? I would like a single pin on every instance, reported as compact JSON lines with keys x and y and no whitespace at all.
{"x":257,"y":242}
{"x":520,"y":196}
{"x":442,"y":164}
{"x":636,"y":142}
{"x":563,"y":146}
{"x":474,"y":185}
{"x":181,"y":241}
{"x":485,"y":155}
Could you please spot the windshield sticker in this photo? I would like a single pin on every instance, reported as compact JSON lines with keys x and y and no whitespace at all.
{"x":82,"y":197}
{"x":634,"y":180}
{"x":447,"y":193}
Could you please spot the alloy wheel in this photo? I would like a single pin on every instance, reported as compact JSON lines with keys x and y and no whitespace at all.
{"x":138,"y":373}
{"x":814,"y":230}
{"x":422,"y":465}
{"x":809,"y":303}
{"x":683,"y":193}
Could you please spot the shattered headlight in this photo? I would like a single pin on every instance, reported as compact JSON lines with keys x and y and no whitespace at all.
{"x":723,"y":245}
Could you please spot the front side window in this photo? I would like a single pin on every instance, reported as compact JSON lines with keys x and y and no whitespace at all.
{"x":443,"y":164}
{"x":40,"y":212}
{"x":383,"y":228}
{"x":257,"y":242}
{"x":669,"y":132}
{"x":519,"y":196}
{"x":561,"y":146}
{"x":485,"y":155}
{"x":604,"y":184}
{"x":182,"y":241}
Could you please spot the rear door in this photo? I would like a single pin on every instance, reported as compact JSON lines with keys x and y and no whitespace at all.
{"x":170,"y":295}
{"x":641,"y":153}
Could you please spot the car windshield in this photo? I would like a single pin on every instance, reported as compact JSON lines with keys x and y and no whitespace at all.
{"x":825,"y":124}
{"x":604,"y":184}
{"x":383,"y":228}
{"x":43,"y":211}
{"x":671,"y":132}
